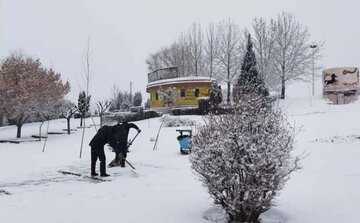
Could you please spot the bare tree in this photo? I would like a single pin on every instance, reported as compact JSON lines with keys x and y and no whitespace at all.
{"x":1,"y":108}
{"x":264,"y":40}
{"x":69,"y":109}
{"x":167,"y":56}
{"x":229,"y":55}
{"x":195,"y":38}
{"x":211,"y":48}
{"x":153,"y":62}
{"x":292,"y":57}
{"x":183,"y":54}
{"x":177,"y":54}
{"x":86,"y":65}
{"x":101,"y":108}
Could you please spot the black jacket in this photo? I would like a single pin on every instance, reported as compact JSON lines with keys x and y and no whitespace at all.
{"x":103,"y":136}
{"x":119,"y":142}
{"x":116,"y":136}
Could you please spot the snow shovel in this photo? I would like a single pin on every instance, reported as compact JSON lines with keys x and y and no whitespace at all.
{"x":114,"y":163}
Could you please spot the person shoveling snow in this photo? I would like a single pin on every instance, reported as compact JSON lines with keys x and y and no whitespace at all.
{"x":116,"y":136}
{"x":121,"y":144}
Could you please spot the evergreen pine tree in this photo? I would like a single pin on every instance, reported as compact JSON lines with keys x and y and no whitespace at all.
{"x":215,"y":94}
{"x":83,"y":105}
{"x":249,"y":80}
{"x":137,"y":99}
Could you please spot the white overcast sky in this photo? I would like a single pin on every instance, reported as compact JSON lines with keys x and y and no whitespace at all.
{"x":124,"y":32}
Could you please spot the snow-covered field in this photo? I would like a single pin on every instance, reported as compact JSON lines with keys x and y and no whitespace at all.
{"x":163,"y":188}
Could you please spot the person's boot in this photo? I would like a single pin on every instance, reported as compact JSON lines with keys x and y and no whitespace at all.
{"x":93,"y":173}
{"x":103,"y":170}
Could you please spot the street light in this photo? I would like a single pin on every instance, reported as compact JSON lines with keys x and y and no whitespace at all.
{"x":313,"y":46}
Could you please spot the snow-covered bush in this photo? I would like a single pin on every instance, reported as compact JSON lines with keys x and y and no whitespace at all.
{"x":244,"y":158}
{"x":204,"y":105}
{"x":215,"y":96}
{"x":171,"y":121}
{"x":116,"y":117}
{"x":185,"y":111}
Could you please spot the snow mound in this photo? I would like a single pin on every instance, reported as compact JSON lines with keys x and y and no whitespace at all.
{"x":215,"y":214}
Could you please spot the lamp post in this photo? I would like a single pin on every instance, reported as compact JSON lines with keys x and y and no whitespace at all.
{"x":313,"y":46}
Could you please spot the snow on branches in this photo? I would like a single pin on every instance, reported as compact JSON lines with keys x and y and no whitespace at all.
{"x":171,"y":121}
{"x":29,"y":89}
{"x":244,"y":158}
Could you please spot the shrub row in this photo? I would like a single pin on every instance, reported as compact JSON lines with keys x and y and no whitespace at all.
{"x":130,"y":116}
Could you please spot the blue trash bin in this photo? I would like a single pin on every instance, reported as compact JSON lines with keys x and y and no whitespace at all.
{"x":184,"y":141}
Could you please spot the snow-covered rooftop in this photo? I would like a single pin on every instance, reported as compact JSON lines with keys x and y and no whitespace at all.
{"x":180,"y":80}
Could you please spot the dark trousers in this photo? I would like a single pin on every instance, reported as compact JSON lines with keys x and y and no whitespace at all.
{"x":95,"y":154}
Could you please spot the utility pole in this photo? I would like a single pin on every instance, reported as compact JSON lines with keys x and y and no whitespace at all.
{"x":313,"y":46}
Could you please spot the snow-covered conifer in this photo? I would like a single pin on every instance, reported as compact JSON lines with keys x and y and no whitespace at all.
{"x":137,"y":99}
{"x":215,"y":94}
{"x":249,"y":79}
{"x":83,"y":104}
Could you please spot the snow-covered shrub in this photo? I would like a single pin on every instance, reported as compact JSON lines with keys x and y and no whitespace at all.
{"x":137,"y":109}
{"x":125,"y":106}
{"x":185,"y":111}
{"x":215,"y":94}
{"x":151,"y":114}
{"x":244,"y":158}
{"x":116,"y":117}
{"x":204,"y":105}
{"x":171,"y":121}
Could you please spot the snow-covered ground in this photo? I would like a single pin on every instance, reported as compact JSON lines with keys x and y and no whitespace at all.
{"x":163,"y":187}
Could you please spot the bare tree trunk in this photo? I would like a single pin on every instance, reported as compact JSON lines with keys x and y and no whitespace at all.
{"x":228,"y":92}
{"x":283,"y":80}
{"x":1,"y":119}
{"x":237,"y":218}
{"x":68,"y":124}
{"x":101,"y":119}
{"x":87,"y":75}
{"x":47,"y":133}
{"x":282,"y":87}
{"x":18,"y":132}
{"x":40,"y":130}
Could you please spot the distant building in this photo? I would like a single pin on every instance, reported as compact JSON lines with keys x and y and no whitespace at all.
{"x":168,"y":89}
{"x":341,"y":84}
